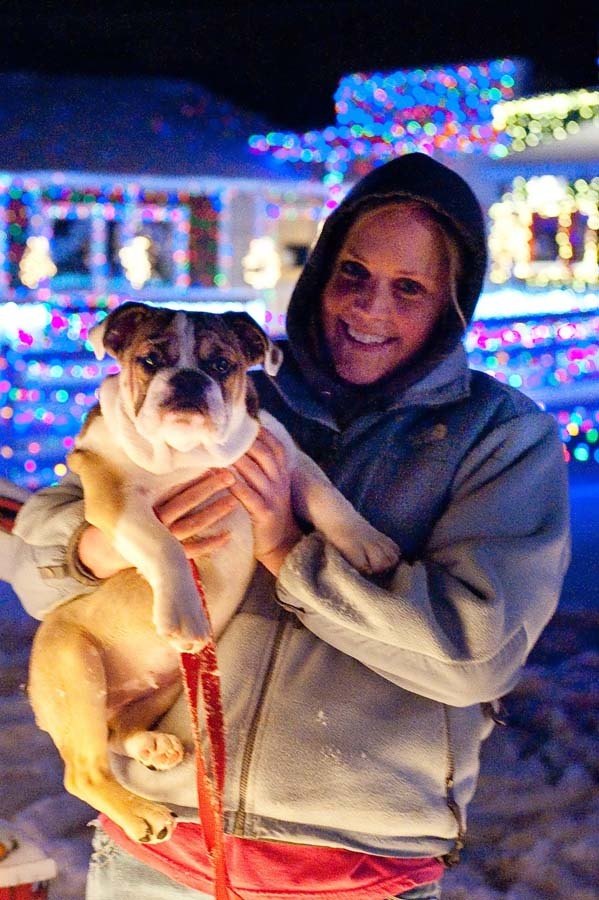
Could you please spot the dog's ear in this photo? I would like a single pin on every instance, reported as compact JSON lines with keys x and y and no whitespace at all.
{"x":113,"y":333}
{"x":256,"y":344}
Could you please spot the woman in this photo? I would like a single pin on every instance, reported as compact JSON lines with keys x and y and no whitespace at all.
{"x":356,"y":707}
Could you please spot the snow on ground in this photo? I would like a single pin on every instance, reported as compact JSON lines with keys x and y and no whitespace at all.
{"x":534,"y":825}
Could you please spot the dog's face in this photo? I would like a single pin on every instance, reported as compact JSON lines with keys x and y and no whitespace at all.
{"x":183,"y":374}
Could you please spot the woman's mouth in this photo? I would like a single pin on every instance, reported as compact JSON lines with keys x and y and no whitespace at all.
{"x":365,"y":338}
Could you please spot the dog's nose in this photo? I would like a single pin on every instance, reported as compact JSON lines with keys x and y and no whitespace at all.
{"x":188,"y":389}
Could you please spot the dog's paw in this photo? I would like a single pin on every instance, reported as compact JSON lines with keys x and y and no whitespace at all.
{"x":180,"y":619}
{"x":147,"y":822}
{"x":183,"y":644}
{"x":369,"y":551}
{"x":154,"y":749}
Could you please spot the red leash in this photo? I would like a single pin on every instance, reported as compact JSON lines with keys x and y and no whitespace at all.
{"x":200,"y":673}
{"x":8,"y":513}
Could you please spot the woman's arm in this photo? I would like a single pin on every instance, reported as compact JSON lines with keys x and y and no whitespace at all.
{"x":61,"y":556}
{"x":458,"y":625}
{"x":47,"y":568}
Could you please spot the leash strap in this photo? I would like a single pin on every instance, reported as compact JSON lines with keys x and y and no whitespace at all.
{"x":202,"y":679}
{"x":8,"y":513}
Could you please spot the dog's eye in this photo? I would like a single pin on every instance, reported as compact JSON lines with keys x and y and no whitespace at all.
{"x":150,"y":362}
{"x":220,"y":365}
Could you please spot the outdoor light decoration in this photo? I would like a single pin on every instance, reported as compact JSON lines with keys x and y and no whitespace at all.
{"x":382,"y":115}
{"x":544,"y":231}
{"x":262,"y":264}
{"x":30,"y":208}
{"x":196,"y":220}
{"x":135,"y":259}
{"x":36,"y":264}
{"x":511,"y":302}
{"x":579,"y":431}
{"x":529,"y":121}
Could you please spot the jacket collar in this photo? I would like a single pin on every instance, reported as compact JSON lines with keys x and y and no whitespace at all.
{"x":447,"y":382}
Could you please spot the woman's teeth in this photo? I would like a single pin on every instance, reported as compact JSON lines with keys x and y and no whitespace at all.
{"x":365,"y":338}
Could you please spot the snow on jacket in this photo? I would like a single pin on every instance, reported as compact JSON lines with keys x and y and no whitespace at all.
{"x":355,"y":709}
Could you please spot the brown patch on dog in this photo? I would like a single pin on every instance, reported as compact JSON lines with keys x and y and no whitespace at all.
{"x":236,"y":338}
{"x":94,"y":412}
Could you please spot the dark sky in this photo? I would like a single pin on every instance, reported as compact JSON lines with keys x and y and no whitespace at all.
{"x":283,"y":58}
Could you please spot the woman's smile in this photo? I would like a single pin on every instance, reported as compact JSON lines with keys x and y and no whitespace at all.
{"x":364,"y":338}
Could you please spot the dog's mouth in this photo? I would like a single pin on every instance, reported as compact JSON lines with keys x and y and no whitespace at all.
{"x":182,"y":408}
{"x":176,"y":414}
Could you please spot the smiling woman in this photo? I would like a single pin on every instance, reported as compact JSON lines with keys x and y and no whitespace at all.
{"x":389,"y":286}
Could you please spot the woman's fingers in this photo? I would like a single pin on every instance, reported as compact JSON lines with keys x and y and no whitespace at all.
{"x":267,"y":442}
{"x":264,"y":464}
{"x":205,"y":546}
{"x":195,"y":523}
{"x":198,"y":492}
{"x":251,"y":498}
{"x":254,"y":475}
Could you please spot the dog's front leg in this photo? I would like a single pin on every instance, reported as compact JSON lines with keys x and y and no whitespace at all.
{"x":158,"y":556}
{"x":126,"y":516}
{"x":318,"y":501}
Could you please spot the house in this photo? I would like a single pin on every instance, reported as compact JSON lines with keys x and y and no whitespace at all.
{"x":533,"y":162}
{"x":112,"y":188}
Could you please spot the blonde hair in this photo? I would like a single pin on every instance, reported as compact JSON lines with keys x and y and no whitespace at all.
{"x":453,"y":251}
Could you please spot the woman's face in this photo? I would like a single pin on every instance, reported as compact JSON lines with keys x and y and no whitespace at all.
{"x":387,"y":290}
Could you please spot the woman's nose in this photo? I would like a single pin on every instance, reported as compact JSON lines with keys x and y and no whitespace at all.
{"x":377,"y":299}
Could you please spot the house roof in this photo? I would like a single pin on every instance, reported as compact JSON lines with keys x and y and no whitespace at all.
{"x":135,"y":125}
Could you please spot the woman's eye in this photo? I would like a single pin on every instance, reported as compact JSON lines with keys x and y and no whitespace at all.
{"x":150,"y":362}
{"x":220,"y":365}
{"x":352,"y":269}
{"x":409,"y":286}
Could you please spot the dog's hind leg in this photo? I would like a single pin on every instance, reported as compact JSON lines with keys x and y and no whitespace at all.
{"x":130,"y":734}
{"x":67,"y":689}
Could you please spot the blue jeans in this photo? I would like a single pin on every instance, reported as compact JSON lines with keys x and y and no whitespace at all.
{"x":115,"y":875}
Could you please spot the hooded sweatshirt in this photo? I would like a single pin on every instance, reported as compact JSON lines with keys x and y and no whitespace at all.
{"x":355,"y":709}
{"x":414,"y":177}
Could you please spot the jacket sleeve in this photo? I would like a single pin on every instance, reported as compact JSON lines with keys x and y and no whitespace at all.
{"x":47,"y":568}
{"x":458,"y":624}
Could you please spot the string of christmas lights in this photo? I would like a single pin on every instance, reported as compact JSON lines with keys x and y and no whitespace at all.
{"x":379,"y":116}
{"x":544,"y":232}
{"x":531,"y":120}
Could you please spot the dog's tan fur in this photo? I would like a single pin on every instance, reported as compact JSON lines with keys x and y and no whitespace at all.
{"x":104,"y":667}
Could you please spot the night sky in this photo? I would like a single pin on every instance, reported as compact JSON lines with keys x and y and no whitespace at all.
{"x":283,"y":59}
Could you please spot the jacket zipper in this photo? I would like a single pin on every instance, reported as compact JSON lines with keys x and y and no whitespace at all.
{"x":239,"y":824}
{"x":453,"y":857}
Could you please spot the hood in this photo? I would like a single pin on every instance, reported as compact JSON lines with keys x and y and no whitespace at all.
{"x":414,"y":176}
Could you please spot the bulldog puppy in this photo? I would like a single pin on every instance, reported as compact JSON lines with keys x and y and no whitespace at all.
{"x":105,"y":666}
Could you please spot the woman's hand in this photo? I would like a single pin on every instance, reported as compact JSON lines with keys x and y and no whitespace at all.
{"x":180,"y":515}
{"x":265,"y":491}
{"x":188,"y":524}
{"x":98,"y":555}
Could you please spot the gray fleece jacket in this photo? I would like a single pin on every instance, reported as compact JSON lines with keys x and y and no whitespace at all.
{"x":355,"y":709}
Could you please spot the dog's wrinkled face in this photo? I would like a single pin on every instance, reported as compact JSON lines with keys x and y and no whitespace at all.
{"x":183,"y":375}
